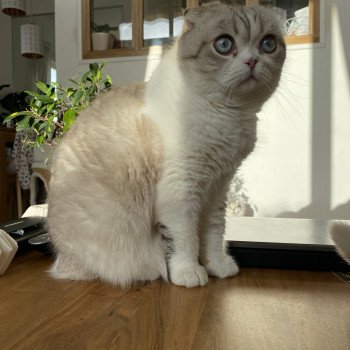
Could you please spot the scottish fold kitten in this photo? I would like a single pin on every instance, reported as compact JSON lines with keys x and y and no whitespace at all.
{"x":139,"y":185}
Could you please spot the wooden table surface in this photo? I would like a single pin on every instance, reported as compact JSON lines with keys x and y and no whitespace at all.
{"x":258,"y":309}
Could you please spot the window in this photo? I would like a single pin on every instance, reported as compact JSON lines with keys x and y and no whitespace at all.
{"x":133,"y":26}
{"x":301,"y":19}
{"x":112,"y":28}
{"x":53,"y":75}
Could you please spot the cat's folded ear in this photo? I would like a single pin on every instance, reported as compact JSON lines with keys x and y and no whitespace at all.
{"x":193,"y":15}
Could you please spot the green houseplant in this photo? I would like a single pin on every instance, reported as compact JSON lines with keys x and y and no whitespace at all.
{"x":13,"y":102}
{"x":52,"y":111}
{"x":102,"y":39}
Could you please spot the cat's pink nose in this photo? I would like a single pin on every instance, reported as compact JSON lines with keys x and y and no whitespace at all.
{"x":251,"y":62}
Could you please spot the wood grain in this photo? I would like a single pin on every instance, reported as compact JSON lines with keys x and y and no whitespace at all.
{"x":259,"y":309}
{"x":314,"y":18}
{"x":86,"y":26}
{"x":137,"y":24}
{"x":192,"y":4}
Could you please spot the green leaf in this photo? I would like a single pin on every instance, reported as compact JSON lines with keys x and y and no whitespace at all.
{"x":55,"y":84}
{"x":85,"y":76}
{"x":68,"y":118}
{"x":73,"y":81}
{"x":77,"y":97}
{"x":108,"y":79}
{"x":40,"y":139}
{"x":98,"y":75}
{"x":38,"y":104}
{"x":49,"y":107}
{"x":71,"y":91}
{"x":16,"y":114}
{"x":94,"y":67}
{"x":23,"y":124}
{"x":41,"y":98}
{"x":91,"y":91}
{"x":42,"y":87}
{"x":107,"y":84}
{"x":42,"y":126}
{"x":49,"y":124}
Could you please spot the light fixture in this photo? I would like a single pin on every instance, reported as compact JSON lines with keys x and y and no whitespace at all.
{"x":13,"y":7}
{"x":31,"y":41}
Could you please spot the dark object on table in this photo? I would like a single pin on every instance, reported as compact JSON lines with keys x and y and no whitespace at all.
{"x":42,"y":243}
{"x":22,"y":229}
{"x":283,"y":243}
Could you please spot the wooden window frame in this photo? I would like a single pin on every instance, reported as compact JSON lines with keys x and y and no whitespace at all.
{"x":137,"y":29}
{"x":137,"y":48}
{"x":314,"y":24}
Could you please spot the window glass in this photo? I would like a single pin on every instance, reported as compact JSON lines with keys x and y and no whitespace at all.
{"x":111,"y":24}
{"x":295,"y":14}
{"x":163,"y":20}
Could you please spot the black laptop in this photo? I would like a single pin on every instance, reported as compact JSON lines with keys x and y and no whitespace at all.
{"x":22,"y":229}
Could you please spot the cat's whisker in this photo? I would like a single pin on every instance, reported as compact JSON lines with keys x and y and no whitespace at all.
{"x":285,"y":86}
{"x":284,"y":112}
{"x":294,"y":82}
{"x":280,"y":90}
{"x":287,"y":95}
{"x":291,"y":105}
{"x":296,"y":76}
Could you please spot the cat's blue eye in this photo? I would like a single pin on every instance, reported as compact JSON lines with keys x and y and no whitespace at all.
{"x":224,"y":45}
{"x":268,"y":44}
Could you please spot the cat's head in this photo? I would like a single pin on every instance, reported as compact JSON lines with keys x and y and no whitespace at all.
{"x":237,"y":52}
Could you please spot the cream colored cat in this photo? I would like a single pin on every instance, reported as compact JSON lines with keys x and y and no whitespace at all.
{"x":139,"y":185}
{"x":340,"y":233}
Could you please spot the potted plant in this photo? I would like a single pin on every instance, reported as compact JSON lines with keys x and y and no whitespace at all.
{"x":49,"y":114}
{"x":11,"y":103}
{"x":102,"y":39}
{"x":52,"y":111}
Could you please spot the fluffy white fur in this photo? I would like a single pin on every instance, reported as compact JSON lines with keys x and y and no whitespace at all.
{"x":340,"y":233}
{"x":147,"y":199}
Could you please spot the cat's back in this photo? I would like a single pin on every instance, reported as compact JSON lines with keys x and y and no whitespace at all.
{"x":109,"y":137}
{"x":113,"y":110}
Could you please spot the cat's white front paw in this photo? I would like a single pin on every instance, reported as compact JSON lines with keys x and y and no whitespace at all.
{"x":223,"y":266}
{"x":190,"y":276}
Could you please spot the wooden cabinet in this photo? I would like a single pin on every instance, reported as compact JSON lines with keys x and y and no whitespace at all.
{"x":13,"y":200}
{"x":8,"y":183}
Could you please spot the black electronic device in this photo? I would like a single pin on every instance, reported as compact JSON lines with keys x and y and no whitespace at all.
{"x":283,"y":243}
{"x":22,"y":229}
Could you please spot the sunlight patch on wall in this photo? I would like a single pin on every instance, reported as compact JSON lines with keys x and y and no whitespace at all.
{"x":340,"y":195}
{"x":53,"y":75}
{"x":153,"y":60}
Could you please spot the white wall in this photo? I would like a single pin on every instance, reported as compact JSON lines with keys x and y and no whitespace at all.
{"x":68,"y":49}
{"x":14,"y":69}
{"x":27,"y":71}
{"x":301,"y":165}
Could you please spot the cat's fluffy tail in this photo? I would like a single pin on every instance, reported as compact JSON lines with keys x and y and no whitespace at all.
{"x":340,"y":233}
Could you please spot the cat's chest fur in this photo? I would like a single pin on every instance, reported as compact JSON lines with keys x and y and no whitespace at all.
{"x":203,"y":141}
{"x":218,"y":140}
{"x":204,"y":137}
